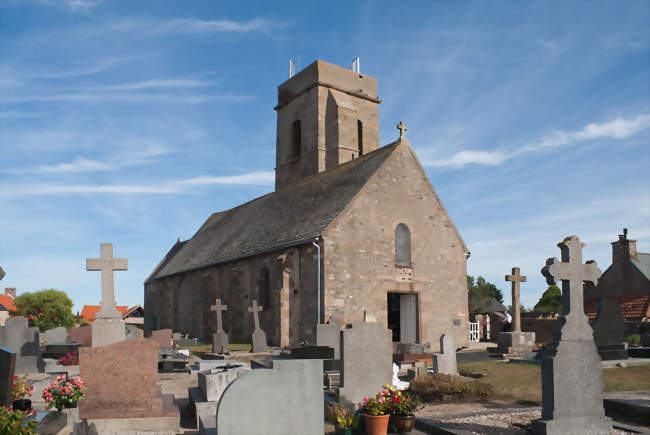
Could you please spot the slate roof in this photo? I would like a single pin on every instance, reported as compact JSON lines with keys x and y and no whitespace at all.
{"x":642,"y":262}
{"x":293,"y":215}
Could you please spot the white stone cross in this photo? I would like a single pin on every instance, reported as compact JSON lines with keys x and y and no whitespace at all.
{"x":107,"y":264}
{"x":516,"y":278}
{"x":255,"y":309}
{"x":573,"y":274}
{"x":402,"y":129}
{"x":219,"y":308}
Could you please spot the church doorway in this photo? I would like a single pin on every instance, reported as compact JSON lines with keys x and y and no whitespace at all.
{"x":403,"y":316}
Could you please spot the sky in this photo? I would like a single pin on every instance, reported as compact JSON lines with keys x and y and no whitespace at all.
{"x":131,"y":122}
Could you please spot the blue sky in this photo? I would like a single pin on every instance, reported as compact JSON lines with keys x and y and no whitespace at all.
{"x":131,"y":122}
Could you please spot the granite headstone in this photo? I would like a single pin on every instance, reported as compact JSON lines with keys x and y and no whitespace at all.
{"x":18,"y":337}
{"x":445,"y":361}
{"x":609,"y":331}
{"x":7,"y":367}
{"x":56,"y":335}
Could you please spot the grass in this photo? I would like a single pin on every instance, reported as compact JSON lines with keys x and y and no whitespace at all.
{"x":522,"y":382}
{"x":447,"y":388}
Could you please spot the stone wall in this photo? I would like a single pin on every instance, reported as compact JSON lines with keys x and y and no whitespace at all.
{"x":359,"y":266}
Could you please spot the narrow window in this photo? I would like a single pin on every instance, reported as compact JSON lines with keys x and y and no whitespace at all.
{"x":402,"y":246}
{"x":296,"y":139}
{"x":360,"y":136}
{"x":265,"y":289}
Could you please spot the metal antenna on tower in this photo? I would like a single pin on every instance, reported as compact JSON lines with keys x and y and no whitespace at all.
{"x":355,"y":65}
{"x":292,"y":68}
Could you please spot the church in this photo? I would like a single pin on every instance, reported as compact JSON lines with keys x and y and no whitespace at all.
{"x":353,"y":231}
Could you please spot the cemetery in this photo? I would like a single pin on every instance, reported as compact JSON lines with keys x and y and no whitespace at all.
{"x":337,"y":298}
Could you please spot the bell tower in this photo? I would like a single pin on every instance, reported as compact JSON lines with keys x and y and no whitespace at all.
{"x":327,"y":115}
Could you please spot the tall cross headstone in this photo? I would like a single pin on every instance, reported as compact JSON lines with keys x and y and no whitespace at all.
{"x":572,"y":376}
{"x":108,"y":327}
{"x":402,"y":129}
{"x":516,"y":278}
{"x":107,"y":265}
{"x":259,"y":336}
{"x":220,"y":338}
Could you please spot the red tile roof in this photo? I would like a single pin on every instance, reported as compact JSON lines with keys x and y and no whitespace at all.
{"x":7,"y":302}
{"x":634,"y":306}
{"x":88,"y":311}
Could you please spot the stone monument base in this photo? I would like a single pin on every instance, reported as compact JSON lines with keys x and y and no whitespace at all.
{"x":513,"y":344}
{"x":612,"y":351}
{"x":259,"y":341}
{"x":220,"y":342}
{"x":160,"y":406}
{"x":158,"y":425}
{"x":574,"y":426}
{"x":108,"y":331}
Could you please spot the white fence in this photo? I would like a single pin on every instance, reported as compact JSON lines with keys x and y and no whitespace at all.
{"x":473,"y":332}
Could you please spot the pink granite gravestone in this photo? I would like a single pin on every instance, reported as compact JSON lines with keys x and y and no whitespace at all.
{"x":82,"y":335}
{"x":163,"y":337}
{"x":121,"y":382}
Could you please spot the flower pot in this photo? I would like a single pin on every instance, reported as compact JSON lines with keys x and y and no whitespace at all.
{"x":22,"y":405}
{"x":376,"y":424}
{"x":345,"y":431}
{"x":403,"y":423}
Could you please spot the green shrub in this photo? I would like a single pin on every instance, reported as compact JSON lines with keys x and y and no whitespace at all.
{"x":634,"y":340}
{"x":17,"y":422}
{"x":448,"y":388}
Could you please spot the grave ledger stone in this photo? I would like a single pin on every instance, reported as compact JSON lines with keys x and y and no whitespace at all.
{"x":515,"y":343}
{"x":259,"y":336}
{"x":7,"y":366}
{"x":18,"y":337}
{"x":445,"y":362}
{"x":121,"y":383}
{"x":108,"y":326}
{"x":572,"y":376}
{"x":220,"y":338}
{"x":287,"y":399}
{"x":366,"y":352}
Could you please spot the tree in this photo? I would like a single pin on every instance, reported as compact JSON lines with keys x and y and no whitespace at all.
{"x":482,"y":288}
{"x":551,"y":300}
{"x":46,"y":309}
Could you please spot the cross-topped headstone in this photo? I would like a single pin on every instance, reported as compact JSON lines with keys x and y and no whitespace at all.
{"x":573,"y":274}
{"x":402,"y":129}
{"x":219,"y":308}
{"x":255,"y":309}
{"x":2,"y":273}
{"x":107,"y":264}
{"x":515,"y":278}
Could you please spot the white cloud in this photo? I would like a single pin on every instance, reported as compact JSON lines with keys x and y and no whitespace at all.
{"x":11,"y":115}
{"x":617,"y":129}
{"x":171,"y":187}
{"x":90,"y":97}
{"x":155,"y":84}
{"x":73,"y":5}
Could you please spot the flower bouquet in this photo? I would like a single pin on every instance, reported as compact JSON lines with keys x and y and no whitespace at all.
{"x":64,"y":392}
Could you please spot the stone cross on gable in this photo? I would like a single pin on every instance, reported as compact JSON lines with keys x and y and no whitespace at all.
{"x":107,"y":264}
{"x":573,"y":274}
{"x":402,"y":129}
{"x":219,"y":308}
{"x":255,"y":309}
{"x":515,"y":278}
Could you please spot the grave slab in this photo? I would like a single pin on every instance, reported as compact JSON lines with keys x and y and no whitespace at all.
{"x":132,"y":332}
{"x":163,"y":337}
{"x":329,"y":334}
{"x":268,"y":394}
{"x":572,"y":376}
{"x":106,"y":370}
{"x":366,"y":352}
{"x":82,"y":335}
{"x":7,"y":366}
{"x":18,"y":337}
{"x":609,"y":331}
{"x":513,"y":344}
{"x":107,"y":331}
{"x":213,"y":382}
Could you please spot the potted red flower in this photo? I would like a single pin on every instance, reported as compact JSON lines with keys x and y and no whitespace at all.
{"x":19,"y":393}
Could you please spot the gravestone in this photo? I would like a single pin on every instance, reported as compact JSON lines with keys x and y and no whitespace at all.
{"x":7,"y":366}
{"x":259,"y":336}
{"x":56,"y":335}
{"x":213,"y":383}
{"x":163,"y":337}
{"x":366,"y":354}
{"x":132,"y":332}
{"x":445,"y":361}
{"x":2,"y":273}
{"x":609,"y":331}
{"x":420,"y":370}
{"x":572,"y":376}
{"x":329,"y":334}
{"x":82,"y":335}
{"x":18,"y":337}
{"x":121,"y":386}
{"x":287,"y":399}
{"x":219,"y":338}
{"x":108,"y":327}
{"x":515,"y":343}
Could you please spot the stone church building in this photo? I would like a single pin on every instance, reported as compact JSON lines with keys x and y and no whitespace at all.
{"x":387,"y":246}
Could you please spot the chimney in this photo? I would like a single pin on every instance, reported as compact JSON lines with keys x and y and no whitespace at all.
{"x":624,"y":249}
{"x":11,"y":292}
